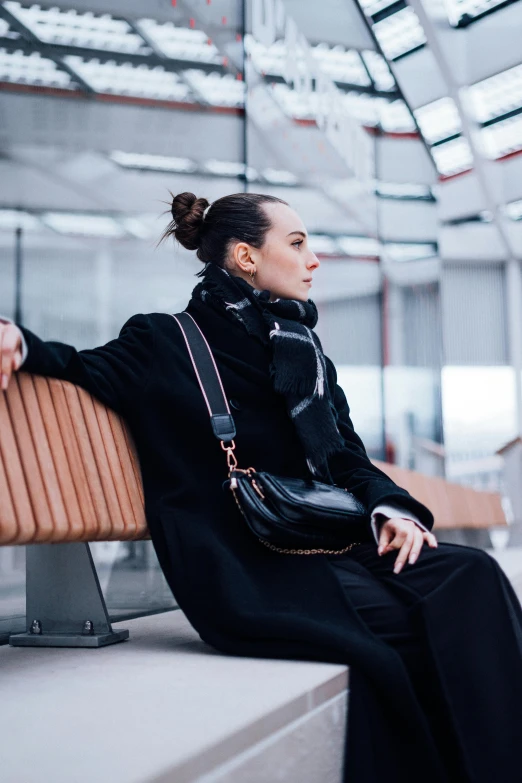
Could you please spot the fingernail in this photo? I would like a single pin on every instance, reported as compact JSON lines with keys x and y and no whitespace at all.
{"x":396,"y":569}
{"x":4,"y":382}
{"x":412,"y":559}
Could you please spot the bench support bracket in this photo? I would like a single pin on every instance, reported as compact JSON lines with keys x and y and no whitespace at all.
{"x":65,"y":605}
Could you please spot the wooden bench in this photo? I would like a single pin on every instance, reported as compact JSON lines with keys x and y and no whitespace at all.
{"x":69,"y":474}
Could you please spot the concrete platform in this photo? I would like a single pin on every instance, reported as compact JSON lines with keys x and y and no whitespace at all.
{"x":164,"y":707}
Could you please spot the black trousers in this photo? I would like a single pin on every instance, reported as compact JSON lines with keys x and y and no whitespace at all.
{"x":456,"y":622}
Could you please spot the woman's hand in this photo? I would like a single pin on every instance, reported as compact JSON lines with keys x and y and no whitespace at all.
{"x":405,"y":535}
{"x":10,"y":352}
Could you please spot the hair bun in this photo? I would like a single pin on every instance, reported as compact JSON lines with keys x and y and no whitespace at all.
{"x":187,"y":219}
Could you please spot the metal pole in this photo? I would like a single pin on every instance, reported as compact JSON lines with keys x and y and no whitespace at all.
{"x":18,"y":316}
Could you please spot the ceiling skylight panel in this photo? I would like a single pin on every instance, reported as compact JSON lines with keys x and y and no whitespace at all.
{"x":399,"y":33}
{"x":404,"y":251}
{"x":379,"y":70}
{"x":135,"y":160}
{"x":86,"y":30}
{"x":127,"y":79}
{"x":10,"y":219}
{"x":341,"y":65}
{"x":321,"y":243}
{"x":21,"y":68}
{"x":180,"y":43}
{"x":438,"y":120}
{"x":403,"y":190}
{"x":503,"y":137}
{"x":456,"y":9}
{"x":6,"y":31}
{"x":230,"y":168}
{"x":83,"y":224}
{"x":372,"y":7}
{"x":497,"y":95}
{"x":452,"y":157}
{"x":396,"y":117}
{"x":362,"y":247}
{"x":217,"y":89}
{"x":294,"y":104}
{"x":513,"y":210}
{"x":279,"y":177}
{"x":367,"y":109}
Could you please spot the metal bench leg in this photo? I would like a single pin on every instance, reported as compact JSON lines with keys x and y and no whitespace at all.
{"x":65,"y":605}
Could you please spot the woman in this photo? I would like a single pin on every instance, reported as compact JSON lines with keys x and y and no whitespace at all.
{"x":432,"y":633}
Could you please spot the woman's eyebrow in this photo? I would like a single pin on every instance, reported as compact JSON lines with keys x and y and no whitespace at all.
{"x":301,"y":233}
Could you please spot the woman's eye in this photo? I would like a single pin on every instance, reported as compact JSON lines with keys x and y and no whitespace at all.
{"x":298,"y":242}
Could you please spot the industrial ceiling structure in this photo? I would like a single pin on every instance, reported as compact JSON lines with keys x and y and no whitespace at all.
{"x":106,"y":105}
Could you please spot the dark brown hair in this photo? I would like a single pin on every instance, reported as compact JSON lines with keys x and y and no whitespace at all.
{"x":238,"y":217}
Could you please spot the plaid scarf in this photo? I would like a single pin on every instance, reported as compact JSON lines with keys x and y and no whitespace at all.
{"x":297,"y":368}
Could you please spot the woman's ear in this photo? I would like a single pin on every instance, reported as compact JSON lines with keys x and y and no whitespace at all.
{"x":241,"y":255}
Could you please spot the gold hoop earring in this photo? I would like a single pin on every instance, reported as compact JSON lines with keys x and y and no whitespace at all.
{"x":252,"y":275}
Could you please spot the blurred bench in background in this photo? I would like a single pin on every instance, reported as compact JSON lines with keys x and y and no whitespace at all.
{"x":69,"y":474}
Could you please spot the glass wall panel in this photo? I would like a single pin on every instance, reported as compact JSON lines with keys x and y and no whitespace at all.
{"x":305,"y":146}
{"x":88,"y":157}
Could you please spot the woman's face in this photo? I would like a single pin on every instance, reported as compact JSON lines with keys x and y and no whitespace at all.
{"x":284,"y":263}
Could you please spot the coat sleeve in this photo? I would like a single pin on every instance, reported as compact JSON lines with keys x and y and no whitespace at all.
{"x":352,"y":468}
{"x":113,"y":373}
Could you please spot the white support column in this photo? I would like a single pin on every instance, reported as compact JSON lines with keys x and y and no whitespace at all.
{"x":104,"y":293}
{"x":514,"y":322}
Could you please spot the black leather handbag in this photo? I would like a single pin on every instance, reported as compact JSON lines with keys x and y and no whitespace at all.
{"x":290,"y":515}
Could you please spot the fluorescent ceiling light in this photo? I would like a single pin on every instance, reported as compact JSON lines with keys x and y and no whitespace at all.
{"x":438,"y":120}
{"x":403,"y":251}
{"x":402,"y":190}
{"x":10,"y":219}
{"x":399,"y":33}
{"x":225,"y":168}
{"x":293,"y":103}
{"x":379,"y":70}
{"x":134,"y":160}
{"x":372,"y":7}
{"x":364,"y":247}
{"x":21,"y":68}
{"x":513,"y":210}
{"x":453,"y":156}
{"x":320,"y":243}
{"x":342,"y":65}
{"x":456,"y":9}
{"x":279,"y":177}
{"x":180,"y":43}
{"x":126,"y":79}
{"x":497,"y":95}
{"x":135,"y":227}
{"x":396,"y":117}
{"x":215,"y":88}
{"x":71,"y":28}
{"x":503,"y":137}
{"x":364,"y":107}
{"x":6,"y":31}
{"x":83,"y":224}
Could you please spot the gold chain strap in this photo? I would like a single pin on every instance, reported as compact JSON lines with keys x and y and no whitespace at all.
{"x":231,"y":458}
{"x":309,"y":551}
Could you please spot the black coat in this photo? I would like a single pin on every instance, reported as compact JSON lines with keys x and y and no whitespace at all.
{"x":241,"y":597}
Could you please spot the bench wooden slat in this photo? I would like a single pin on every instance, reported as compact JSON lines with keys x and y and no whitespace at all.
{"x":48,"y":393}
{"x":127,"y":468}
{"x":52,"y":499}
{"x":25,"y":521}
{"x":69,"y":471}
